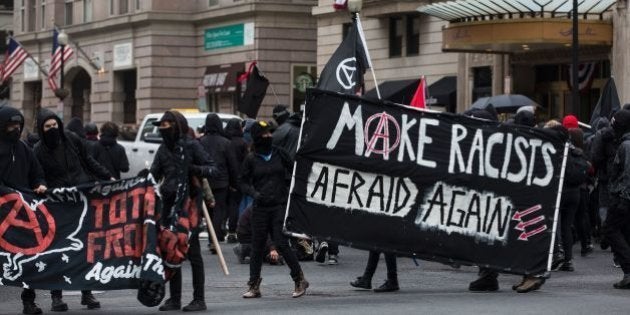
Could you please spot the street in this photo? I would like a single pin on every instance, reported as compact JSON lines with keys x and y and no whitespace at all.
{"x":430,"y":288}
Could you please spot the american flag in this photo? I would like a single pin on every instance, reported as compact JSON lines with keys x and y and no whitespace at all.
{"x":55,"y":62}
{"x":14,"y":59}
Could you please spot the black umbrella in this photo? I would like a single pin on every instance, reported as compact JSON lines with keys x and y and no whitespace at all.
{"x":504,"y":103}
{"x":608,"y":102}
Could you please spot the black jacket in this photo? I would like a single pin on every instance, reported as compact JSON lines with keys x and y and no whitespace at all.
{"x":19,"y":168}
{"x":111,"y":155}
{"x":288,"y":134}
{"x":220,"y":150}
{"x":70,"y":163}
{"x":619,"y":184}
{"x":172,"y":166}
{"x":239,"y":146}
{"x":603,"y":150}
{"x":266,"y":180}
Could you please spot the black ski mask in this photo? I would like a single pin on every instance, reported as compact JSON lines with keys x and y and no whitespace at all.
{"x":169,"y":135}
{"x":52,"y":137}
{"x":12,"y":136}
{"x":262,"y":145}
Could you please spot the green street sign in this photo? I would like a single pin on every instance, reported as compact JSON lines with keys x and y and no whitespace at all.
{"x":229,"y":36}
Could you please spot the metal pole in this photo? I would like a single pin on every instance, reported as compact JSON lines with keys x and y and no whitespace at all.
{"x":575,"y":99}
{"x":63,"y":47}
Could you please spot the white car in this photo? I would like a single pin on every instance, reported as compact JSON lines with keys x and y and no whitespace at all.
{"x":142,"y":150}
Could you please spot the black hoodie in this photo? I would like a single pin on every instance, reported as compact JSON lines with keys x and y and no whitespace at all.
{"x":70,"y":163}
{"x":234,"y":130}
{"x":220,"y":150}
{"x":19,"y":168}
{"x":288,"y":134}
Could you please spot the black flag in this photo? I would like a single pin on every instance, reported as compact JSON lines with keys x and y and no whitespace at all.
{"x":254,"y":93}
{"x":344,"y":71}
{"x":608,"y":102}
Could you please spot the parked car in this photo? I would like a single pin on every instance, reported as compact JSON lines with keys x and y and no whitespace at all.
{"x":141,"y":151}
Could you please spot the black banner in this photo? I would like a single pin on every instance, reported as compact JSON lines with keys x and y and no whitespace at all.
{"x":96,"y":237}
{"x":432,"y":185}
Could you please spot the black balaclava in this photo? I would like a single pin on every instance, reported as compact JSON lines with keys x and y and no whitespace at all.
{"x":621,"y":122}
{"x":8,"y":116}
{"x":171,"y":134}
{"x":262,"y":145}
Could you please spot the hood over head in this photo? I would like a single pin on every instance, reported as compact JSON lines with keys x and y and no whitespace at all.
{"x":76,"y":125}
{"x":9,"y":115}
{"x":213,"y":124}
{"x":525,"y":118}
{"x":43,"y":115}
{"x":233,"y":128}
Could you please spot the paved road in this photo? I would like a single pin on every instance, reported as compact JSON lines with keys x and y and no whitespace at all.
{"x":430,"y":288}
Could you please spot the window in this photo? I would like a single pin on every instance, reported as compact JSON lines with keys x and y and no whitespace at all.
{"x":23,"y":17}
{"x":482,"y":82}
{"x":212,"y":2}
{"x":413,"y":35}
{"x":395,"y":36}
{"x":303,"y":77}
{"x":123,"y":6}
{"x":31,"y":15}
{"x":111,"y":7}
{"x":42,"y":23}
{"x":138,"y":5}
{"x":87,"y":11}
{"x":404,"y":36}
{"x":68,"y":12}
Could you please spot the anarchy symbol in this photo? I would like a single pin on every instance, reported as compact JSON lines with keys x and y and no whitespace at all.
{"x":345,"y":73}
{"x":381,"y":133}
{"x":31,"y":223}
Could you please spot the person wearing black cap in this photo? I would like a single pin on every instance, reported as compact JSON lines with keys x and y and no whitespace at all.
{"x":19,"y":169}
{"x":91,"y":131}
{"x":178,"y":159}
{"x":263,"y":176}
{"x":618,"y":217}
{"x":280,"y":114}
{"x":66,"y":162}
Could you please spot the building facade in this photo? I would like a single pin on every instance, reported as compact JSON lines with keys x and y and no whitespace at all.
{"x":134,"y":57}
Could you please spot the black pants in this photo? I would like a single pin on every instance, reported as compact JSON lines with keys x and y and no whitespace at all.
{"x":234,"y":201}
{"x":28,"y":296}
{"x":268,"y":221}
{"x":390,"y":262}
{"x":568,"y":207}
{"x":198,"y":277}
{"x":219,"y":213}
{"x":333,"y":248}
{"x":583,"y":220}
{"x":615,"y":230}
{"x":59,"y":293}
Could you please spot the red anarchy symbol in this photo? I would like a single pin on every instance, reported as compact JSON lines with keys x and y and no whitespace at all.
{"x":381,"y":132}
{"x":42,"y":241}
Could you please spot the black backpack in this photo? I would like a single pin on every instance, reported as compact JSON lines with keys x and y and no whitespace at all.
{"x":576,"y":172}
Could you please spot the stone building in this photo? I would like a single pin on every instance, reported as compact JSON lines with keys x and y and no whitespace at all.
{"x":134,"y":57}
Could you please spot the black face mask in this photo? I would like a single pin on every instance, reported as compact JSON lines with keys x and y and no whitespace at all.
{"x":169,"y":136}
{"x":52,"y":137}
{"x":12,"y":136}
{"x":262,"y":145}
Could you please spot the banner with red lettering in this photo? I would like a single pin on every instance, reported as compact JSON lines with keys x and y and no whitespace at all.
{"x":93,"y":237}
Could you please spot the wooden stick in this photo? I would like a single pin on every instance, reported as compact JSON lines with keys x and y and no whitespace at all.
{"x":213,"y":237}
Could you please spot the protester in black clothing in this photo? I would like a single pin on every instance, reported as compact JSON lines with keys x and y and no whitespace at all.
{"x":178,"y":159}
{"x":244,"y":249}
{"x":110,"y":153}
{"x":264,"y":177}
{"x":19,"y":169}
{"x":603,"y":150}
{"x":76,"y":125}
{"x":91,"y":131}
{"x":618,"y":218}
{"x":66,"y":162}
{"x":234,"y":130}
{"x":287,"y":134}
{"x":365,"y":281}
{"x":219,"y":149}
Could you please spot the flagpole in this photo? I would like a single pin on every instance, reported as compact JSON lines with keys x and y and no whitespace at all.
{"x":44,"y":72}
{"x":367,"y":53}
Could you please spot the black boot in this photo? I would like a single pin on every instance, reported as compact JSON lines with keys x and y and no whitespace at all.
{"x":195,"y":306}
{"x":171,"y":305}
{"x":31,"y":308}
{"x":362,"y":282}
{"x":90,"y":301}
{"x":390,"y":285}
{"x":58,"y":305}
{"x":300,"y":286}
{"x":567,"y":266}
{"x":484,"y":284}
{"x":254,"y":289}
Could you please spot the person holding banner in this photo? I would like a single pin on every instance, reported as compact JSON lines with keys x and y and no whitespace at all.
{"x":263,"y":176}
{"x":66,"y":162}
{"x":178,"y":159}
{"x":19,"y":169}
{"x":365,"y":281}
{"x":618,"y":218}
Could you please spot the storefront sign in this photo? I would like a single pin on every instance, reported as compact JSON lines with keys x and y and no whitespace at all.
{"x":229,"y":36}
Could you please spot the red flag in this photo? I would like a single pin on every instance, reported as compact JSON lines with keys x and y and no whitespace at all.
{"x":419,"y":98}
{"x":340,"y":4}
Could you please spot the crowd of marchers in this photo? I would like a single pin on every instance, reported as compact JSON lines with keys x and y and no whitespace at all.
{"x":244,"y":169}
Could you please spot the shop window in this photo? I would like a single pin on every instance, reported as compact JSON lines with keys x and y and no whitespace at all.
{"x":396,"y":36}
{"x":303,"y":77}
{"x":482,"y":82}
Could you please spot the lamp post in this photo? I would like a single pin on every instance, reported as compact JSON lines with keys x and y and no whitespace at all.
{"x":575,"y":91}
{"x":355,"y":6}
{"x":62,"y":40}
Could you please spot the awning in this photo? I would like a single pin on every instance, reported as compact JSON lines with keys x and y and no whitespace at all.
{"x":468,"y":10}
{"x":222,"y":78}
{"x":443,"y":91}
